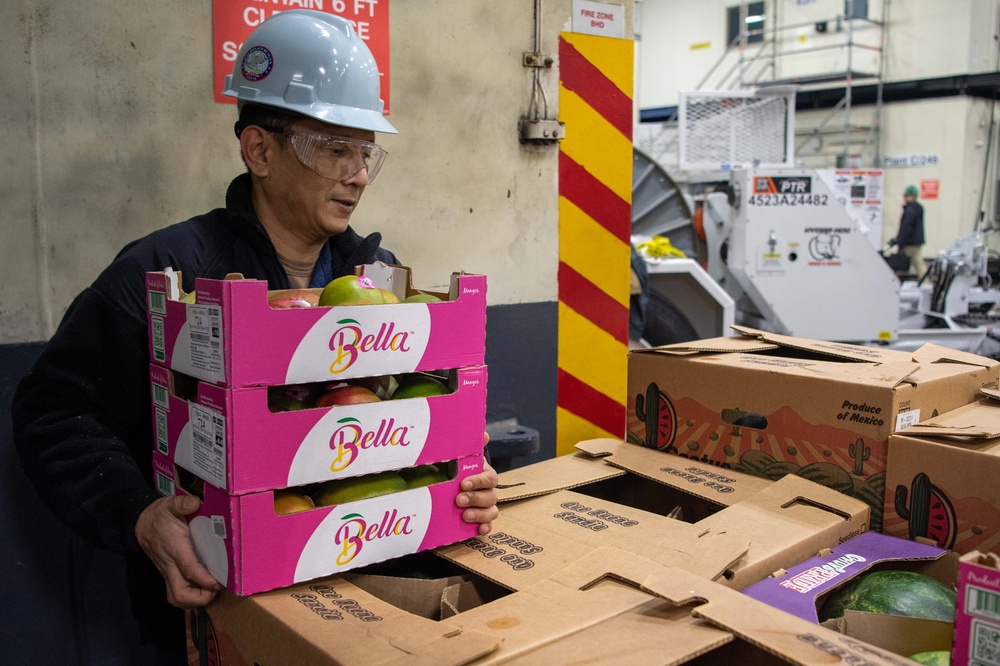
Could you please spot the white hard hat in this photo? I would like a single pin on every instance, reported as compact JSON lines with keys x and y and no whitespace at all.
{"x":311,"y":63}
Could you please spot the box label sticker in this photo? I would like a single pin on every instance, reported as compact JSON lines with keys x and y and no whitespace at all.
{"x":162,"y":440}
{"x":907,"y":419}
{"x":205,"y":332}
{"x":157,"y":302}
{"x":159,"y":344}
{"x":984,"y":644}
{"x":164,"y":484}
{"x":219,"y":526}
{"x":982,"y":602}
{"x":208,"y":433}
{"x":161,"y":397}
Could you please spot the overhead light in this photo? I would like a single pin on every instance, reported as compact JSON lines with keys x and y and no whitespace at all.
{"x":758,"y":18}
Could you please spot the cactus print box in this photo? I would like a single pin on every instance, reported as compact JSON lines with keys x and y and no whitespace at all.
{"x":771,"y":405}
{"x":942,"y":479}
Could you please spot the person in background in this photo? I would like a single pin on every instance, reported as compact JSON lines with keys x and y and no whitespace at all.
{"x":910,"y":237}
{"x":308,"y":102}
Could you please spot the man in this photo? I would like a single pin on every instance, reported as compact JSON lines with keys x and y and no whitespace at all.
{"x":910,"y":237}
{"x":309,"y":107}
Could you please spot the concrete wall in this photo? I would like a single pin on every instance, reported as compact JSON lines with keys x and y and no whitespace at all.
{"x":112,"y":132}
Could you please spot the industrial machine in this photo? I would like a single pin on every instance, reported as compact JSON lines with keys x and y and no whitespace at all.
{"x":772,"y":246}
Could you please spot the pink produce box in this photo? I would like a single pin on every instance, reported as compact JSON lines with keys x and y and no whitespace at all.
{"x":977,"y":619}
{"x":231,"y":336}
{"x":229,"y":437}
{"x":248,"y":547}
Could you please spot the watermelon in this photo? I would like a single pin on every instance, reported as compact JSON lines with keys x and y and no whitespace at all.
{"x":779,"y":469}
{"x":933,"y":658}
{"x":905,"y":593}
{"x":755,"y":462}
{"x":829,"y":475}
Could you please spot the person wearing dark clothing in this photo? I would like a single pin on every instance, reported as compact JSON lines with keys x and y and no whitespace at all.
{"x":82,"y":417}
{"x":910,"y":237}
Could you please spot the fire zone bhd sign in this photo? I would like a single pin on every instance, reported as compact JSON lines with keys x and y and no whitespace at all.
{"x":598,"y":18}
{"x":234,"y":20}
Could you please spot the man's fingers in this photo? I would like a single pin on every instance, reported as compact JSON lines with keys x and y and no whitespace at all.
{"x":485,"y":479}
{"x":482,"y":516}
{"x":478,"y":498}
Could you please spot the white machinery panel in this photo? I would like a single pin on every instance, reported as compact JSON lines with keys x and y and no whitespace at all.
{"x":805,"y":263}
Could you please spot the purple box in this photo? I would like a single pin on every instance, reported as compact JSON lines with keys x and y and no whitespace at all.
{"x":798,"y":590}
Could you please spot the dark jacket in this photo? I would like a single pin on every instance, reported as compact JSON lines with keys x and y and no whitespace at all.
{"x":911,"y":225}
{"x":82,"y":415}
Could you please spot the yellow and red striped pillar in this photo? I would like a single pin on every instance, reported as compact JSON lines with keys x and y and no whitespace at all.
{"x":595,"y":220}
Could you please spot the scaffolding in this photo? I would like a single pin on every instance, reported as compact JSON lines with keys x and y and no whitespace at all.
{"x":759,"y":64}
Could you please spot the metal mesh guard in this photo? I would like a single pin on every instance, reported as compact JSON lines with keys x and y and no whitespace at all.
{"x":727,"y":132}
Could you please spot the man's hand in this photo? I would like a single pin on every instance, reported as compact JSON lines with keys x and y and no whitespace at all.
{"x":479,"y":496}
{"x":163,"y":533}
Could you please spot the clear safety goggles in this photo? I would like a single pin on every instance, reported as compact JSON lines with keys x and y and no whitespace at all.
{"x":336,"y":158}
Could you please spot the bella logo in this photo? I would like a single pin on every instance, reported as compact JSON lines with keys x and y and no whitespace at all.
{"x":816,"y":576}
{"x":350,"y":436}
{"x":349,"y":341}
{"x":355,"y":532}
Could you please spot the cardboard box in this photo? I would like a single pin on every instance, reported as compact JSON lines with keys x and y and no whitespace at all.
{"x":610,"y":607}
{"x":802,"y":589}
{"x":941,"y":482}
{"x":977,"y":621}
{"x":249,"y":548}
{"x":772,"y":405}
{"x":230,"y":439}
{"x":631,"y":497}
{"x":231,"y":336}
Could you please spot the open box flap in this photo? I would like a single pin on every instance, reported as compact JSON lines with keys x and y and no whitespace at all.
{"x":548,"y":476}
{"x":593,"y":611}
{"x":793,"y":639}
{"x":822,"y":347}
{"x":689,"y":476}
{"x":533,"y":539}
{"x":979,"y":420}
{"x":299,"y":616}
{"x":670,"y":542}
{"x":902,"y":635}
{"x":931,"y":353}
{"x":723,"y":345}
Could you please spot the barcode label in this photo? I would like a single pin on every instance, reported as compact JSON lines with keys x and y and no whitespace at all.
{"x":159,"y":339}
{"x":161,"y":397}
{"x":157,"y":302}
{"x":164,"y":484}
{"x":907,"y":419}
{"x":208,"y":439}
{"x":219,"y":526}
{"x":200,"y":337}
{"x":162,"y":441}
{"x":981,"y":602}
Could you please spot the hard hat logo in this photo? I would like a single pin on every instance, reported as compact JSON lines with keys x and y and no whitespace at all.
{"x":311,"y":63}
{"x":257,"y":64}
